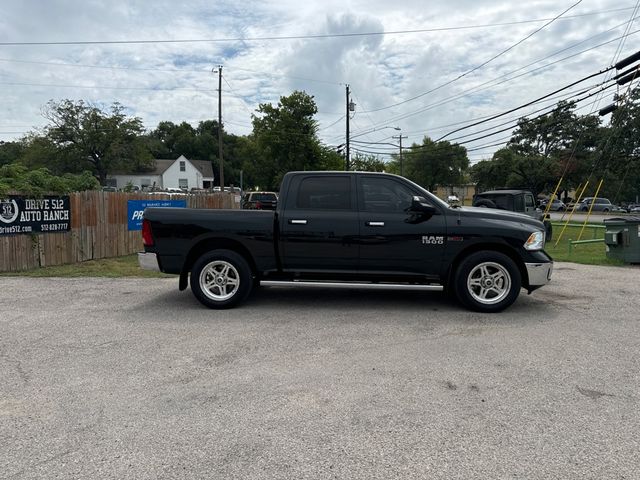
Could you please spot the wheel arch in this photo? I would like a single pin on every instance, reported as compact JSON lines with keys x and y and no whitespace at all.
{"x":484,"y":247}
{"x":208,"y":244}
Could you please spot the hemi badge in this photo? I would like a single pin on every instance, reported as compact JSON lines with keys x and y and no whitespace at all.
{"x":455,"y":239}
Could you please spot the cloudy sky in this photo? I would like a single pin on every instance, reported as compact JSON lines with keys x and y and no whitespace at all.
{"x":421,"y":66}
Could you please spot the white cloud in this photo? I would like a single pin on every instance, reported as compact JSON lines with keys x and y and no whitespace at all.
{"x":173,"y":81}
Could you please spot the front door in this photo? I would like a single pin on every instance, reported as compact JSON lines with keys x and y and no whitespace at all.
{"x":392,"y":240}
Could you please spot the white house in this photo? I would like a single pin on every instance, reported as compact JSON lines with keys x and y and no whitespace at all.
{"x":178,"y":173}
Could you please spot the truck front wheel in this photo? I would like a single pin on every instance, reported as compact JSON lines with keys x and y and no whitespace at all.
{"x":487,"y":282}
{"x":221,"y":279}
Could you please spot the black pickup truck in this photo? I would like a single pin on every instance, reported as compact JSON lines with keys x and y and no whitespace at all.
{"x":350,"y":230}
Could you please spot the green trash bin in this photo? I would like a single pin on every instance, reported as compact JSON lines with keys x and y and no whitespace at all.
{"x":622,"y":239}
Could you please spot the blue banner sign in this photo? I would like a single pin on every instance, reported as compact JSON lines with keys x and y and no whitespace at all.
{"x":135,"y":209}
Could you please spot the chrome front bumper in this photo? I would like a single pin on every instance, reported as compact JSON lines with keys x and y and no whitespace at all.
{"x":148,"y":261}
{"x":539,"y":273}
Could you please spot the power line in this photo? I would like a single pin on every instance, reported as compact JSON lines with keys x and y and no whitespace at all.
{"x":103,"y":87}
{"x":529,"y":103}
{"x":490,"y":83}
{"x":551,"y":105}
{"x":237,"y":96}
{"x":526,"y":119}
{"x":332,"y":123}
{"x":478,"y":67}
{"x":165,"y":70}
{"x":310,"y":36}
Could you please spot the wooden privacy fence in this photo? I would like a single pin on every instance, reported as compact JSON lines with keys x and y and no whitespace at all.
{"x":99,"y":229}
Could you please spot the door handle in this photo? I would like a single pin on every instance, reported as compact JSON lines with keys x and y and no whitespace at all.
{"x":297,"y":222}
{"x":374,"y":224}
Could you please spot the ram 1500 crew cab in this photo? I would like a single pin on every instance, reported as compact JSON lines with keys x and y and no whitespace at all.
{"x":353,"y":230}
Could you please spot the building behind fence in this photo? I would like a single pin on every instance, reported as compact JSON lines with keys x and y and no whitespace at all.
{"x":99,"y":229}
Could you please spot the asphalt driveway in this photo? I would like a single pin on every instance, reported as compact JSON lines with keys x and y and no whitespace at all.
{"x":131,"y":379}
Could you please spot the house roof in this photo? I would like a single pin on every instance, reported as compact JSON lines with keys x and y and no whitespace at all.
{"x":205,"y":167}
{"x":161,"y":165}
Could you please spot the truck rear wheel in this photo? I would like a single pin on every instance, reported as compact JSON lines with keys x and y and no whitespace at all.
{"x":487,"y":282}
{"x":221,"y":279}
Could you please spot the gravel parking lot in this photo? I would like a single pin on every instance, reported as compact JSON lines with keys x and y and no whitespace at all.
{"x":131,"y":379}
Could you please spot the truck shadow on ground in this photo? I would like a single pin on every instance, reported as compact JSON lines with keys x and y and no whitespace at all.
{"x":394,"y":302}
{"x":347,"y":304}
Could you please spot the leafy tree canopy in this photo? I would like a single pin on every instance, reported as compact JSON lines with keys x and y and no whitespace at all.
{"x":39,"y":181}
{"x":432,"y":163}
{"x":367,"y":163}
{"x":87,"y":137}
{"x":285,"y":139}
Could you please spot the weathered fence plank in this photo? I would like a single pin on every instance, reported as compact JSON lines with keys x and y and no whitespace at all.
{"x":98,"y":230}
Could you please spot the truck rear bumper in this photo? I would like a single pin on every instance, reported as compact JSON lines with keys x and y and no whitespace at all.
{"x":148,"y":261}
{"x":539,"y":274}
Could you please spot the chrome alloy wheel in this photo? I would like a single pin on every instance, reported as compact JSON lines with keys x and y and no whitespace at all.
{"x":219,"y":280}
{"x":489,"y":283}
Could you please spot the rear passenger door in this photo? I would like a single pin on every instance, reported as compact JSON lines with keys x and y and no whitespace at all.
{"x":319,"y":224}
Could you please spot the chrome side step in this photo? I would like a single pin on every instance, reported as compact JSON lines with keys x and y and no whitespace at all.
{"x":370,"y":286}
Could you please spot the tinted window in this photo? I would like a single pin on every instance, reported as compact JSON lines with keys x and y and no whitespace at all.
{"x":384,"y":195}
{"x":263,"y":197}
{"x":324,"y":193}
{"x":528,"y":200}
{"x":518,"y":203}
{"x":504,"y":202}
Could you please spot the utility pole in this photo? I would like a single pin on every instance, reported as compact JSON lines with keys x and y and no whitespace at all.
{"x":220,"y":128}
{"x":346,"y":155}
{"x":351,"y":107}
{"x":400,"y":137}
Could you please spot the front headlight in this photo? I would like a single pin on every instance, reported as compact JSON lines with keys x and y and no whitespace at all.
{"x":535,"y":241}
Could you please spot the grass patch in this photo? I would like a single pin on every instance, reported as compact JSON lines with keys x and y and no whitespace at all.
{"x":588,"y":253}
{"x":107,"y":267}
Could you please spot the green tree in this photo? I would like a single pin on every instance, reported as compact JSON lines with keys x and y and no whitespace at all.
{"x":562,"y":141}
{"x":619,"y":162}
{"x":494,"y":173}
{"x":510,"y":169}
{"x":40,"y":181}
{"x":534,"y":173}
{"x":285,"y":138}
{"x":11,"y":152}
{"x":433,"y":163}
{"x":88,"y":137}
{"x":367,"y":163}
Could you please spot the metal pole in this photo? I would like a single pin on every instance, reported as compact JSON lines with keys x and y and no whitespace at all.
{"x":401,"y":166}
{"x":346,"y":156}
{"x":220,"y":128}
{"x":400,"y":137}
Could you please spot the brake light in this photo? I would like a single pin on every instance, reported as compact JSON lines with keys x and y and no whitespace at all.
{"x":258,"y":205}
{"x":147,"y":237}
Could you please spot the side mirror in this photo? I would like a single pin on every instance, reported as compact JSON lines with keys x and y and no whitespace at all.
{"x":420,"y":205}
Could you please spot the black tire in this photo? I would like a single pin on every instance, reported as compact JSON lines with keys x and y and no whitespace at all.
{"x":487,"y":282}
{"x":221,"y":279}
{"x":606,"y":210}
{"x":484,"y":202}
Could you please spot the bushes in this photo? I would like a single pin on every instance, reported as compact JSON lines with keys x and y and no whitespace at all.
{"x":17,"y":177}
